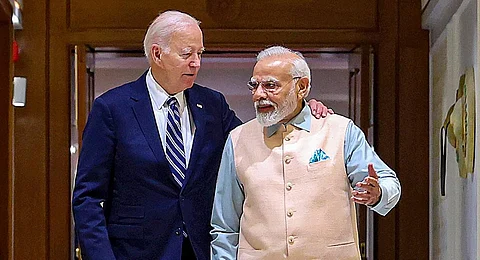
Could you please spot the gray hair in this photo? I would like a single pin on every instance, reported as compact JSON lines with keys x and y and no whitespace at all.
{"x":162,"y":28}
{"x":300,"y":67}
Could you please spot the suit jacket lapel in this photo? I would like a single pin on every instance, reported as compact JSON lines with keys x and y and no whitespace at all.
{"x":143,"y":111}
{"x":199,"y":117}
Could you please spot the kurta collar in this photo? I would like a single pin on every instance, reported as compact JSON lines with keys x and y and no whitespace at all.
{"x":302,"y":121}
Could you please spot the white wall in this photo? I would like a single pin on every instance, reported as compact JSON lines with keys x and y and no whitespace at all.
{"x":229,"y":76}
{"x":107,"y":78}
{"x":454,"y":225}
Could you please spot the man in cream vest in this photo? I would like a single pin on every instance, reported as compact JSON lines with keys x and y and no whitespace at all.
{"x":287,"y":181}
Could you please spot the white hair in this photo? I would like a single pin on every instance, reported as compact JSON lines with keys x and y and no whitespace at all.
{"x":300,"y":67}
{"x":162,"y":28}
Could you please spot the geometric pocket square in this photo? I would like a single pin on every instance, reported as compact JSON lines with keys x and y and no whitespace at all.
{"x":319,"y":155}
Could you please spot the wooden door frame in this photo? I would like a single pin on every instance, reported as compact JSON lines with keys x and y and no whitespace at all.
{"x":360,"y":104}
{"x":6,"y":72}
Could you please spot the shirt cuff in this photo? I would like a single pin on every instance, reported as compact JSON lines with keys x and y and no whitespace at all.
{"x":379,"y":207}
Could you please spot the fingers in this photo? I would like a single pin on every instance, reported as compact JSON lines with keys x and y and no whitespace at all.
{"x":322,"y":109}
{"x":369,"y":196}
{"x":370,"y":189}
{"x":371,"y":171}
{"x":363,"y":197}
{"x":319,"y":110}
{"x":369,"y":184}
{"x":313,"y":104}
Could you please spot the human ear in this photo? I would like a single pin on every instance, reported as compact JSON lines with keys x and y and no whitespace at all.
{"x":156,"y":53}
{"x":303,"y":84}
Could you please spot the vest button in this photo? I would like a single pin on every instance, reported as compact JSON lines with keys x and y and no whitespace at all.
{"x":288,"y":160}
{"x":287,"y":138}
{"x":289,"y":213}
{"x":291,"y":240}
{"x":289,"y":186}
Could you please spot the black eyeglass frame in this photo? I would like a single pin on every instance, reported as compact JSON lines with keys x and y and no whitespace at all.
{"x":252,"y":85}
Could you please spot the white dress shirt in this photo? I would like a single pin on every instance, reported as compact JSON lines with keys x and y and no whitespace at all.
{"x":159,"y":98}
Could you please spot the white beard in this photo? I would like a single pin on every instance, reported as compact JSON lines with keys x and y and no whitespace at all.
{"x":279,"y":113}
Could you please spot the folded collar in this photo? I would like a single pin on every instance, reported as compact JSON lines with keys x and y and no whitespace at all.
{"x":302,"y":121}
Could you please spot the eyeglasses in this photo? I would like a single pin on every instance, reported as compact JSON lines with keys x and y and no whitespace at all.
{"x":267,"y":86}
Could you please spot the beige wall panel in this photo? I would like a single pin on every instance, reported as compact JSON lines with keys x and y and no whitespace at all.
{"x":231,"y":14}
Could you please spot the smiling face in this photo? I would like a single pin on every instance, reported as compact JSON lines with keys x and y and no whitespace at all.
{"x":176,"y":69}
{"x":284,"y":102}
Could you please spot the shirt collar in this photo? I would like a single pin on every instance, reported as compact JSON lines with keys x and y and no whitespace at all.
{"x":302,"y":121}
{"x":159,"y":96}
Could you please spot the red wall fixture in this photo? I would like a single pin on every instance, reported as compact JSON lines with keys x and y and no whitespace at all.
{"x":15,"y":55}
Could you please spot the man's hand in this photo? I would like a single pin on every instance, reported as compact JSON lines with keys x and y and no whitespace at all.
{"x":372,"y":192}
{"x":318,"y":109}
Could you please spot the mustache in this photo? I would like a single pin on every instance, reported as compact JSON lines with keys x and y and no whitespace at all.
{"x":264,"y":102}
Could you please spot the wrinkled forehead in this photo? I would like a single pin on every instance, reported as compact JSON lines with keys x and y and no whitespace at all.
{"x":188,"y":37}
{"x":273,"y":68}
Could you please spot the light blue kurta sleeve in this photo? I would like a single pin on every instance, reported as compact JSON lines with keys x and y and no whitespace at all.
{"x":358,"y":154}
{"x":227,"y":208}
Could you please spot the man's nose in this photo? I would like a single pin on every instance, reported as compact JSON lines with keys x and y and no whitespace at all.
{"x":259,"y":93}
{"x":195,"y":62}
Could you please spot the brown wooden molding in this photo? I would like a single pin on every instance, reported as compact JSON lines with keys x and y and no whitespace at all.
{"x":224,"y":11}
{"x":358,"y":15}
{"x":31,"y":139}
{"x":233,"y":39}
{"x":5,"y":11}
{"x":6,"y":72}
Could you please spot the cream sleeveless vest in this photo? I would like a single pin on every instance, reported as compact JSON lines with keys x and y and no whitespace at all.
{"x":297,"y":195}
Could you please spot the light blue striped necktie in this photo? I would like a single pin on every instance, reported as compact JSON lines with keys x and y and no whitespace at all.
{"x":174,"y":143}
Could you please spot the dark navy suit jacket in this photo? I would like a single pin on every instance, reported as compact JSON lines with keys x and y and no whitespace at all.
{"x":126,"y":204}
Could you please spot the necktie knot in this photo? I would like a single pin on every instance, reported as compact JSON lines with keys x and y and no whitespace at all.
{"x":172,"y":102}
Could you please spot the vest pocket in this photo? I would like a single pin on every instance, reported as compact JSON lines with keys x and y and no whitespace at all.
{"x":319,"y":166}
{"x":341,"y":244}
{"x":244,"y":253}
{"x":343,"y":250}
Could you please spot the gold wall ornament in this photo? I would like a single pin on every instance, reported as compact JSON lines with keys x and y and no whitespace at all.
{"x":459,"y":129}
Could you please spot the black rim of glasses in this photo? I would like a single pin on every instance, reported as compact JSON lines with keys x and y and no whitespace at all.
{"x":253,"y":85}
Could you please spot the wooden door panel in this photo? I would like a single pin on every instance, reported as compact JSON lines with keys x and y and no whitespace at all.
{"x":230,"y":14}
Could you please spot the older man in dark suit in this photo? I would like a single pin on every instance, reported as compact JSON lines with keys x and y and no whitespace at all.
{"x":150,"y":155}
